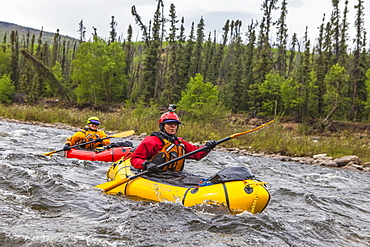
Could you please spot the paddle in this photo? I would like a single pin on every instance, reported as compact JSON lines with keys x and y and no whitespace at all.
{"x":107,"y":186}
{"x":122,"y":134}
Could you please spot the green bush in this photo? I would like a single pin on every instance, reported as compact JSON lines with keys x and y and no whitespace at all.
{"x":200,"y":101}
{"x":7,"y":89}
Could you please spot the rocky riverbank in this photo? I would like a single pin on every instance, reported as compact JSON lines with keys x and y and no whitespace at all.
{"x":351,"y":162}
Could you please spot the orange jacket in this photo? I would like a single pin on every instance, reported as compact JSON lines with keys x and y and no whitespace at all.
{"x":88,"y":135}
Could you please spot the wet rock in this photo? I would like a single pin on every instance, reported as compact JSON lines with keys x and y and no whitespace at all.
{"x":366,"y":165}
{"x":331,"y":163}
{"x":310,"y":160}
{"x":350,"y":167}
{"x":139,"y":137}
{"x":343,"y":161}
{"x":358,"y":167}
{"x":320,"y":162}
{"x":299,"y":160}
{"x":322,"y":157}
{"x":286,"y":159}
{"x":143,"y":134}
{"x":319,"y":156}
{"x":257,"y":155}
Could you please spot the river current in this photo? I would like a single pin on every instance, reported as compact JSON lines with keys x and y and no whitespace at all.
{"x":50,"y":201}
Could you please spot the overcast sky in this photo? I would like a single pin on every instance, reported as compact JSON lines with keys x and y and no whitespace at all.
{"x":65,"y":15}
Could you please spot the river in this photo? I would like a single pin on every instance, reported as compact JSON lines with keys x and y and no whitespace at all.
{"x":50,"y":201}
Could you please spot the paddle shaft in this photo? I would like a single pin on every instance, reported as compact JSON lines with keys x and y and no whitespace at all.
{"x":81,"y":144}
{"x":203,"y":148}
{"x":125,"y":180}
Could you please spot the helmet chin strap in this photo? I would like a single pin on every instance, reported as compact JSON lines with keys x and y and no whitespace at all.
{"x":166,"y":134}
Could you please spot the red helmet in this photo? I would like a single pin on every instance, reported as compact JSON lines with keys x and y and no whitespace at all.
{"x":169,"y":117}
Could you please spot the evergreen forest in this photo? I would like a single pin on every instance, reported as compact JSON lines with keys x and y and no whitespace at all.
{"x":244,"y":70}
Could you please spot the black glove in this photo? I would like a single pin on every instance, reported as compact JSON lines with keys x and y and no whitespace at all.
{"x":98,"y":140}
{"x":151,"y":167}
{"x":66,"y":147}
{"x":210,"y":145}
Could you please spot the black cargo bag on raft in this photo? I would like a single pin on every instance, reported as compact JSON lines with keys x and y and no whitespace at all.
{"x":120,"y":144}
{"x":227,"y":175}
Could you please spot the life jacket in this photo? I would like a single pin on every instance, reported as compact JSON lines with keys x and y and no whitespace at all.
{"x":170,"y":151}
{"x":88,"y":138}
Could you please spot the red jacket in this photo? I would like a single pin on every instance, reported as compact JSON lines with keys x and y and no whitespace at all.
{"x":152,"y":145}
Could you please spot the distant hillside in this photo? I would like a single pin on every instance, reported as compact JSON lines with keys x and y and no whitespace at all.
{"x":6,"y":27}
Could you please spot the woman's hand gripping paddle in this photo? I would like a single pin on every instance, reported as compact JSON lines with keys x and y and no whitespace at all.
{"x":107,"y":186}
{"x":122,"y":134}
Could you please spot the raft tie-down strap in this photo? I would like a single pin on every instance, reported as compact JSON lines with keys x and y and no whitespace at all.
{"x":185,"y":194}
{"x":226,"y":196}
{"x":112,"y":154}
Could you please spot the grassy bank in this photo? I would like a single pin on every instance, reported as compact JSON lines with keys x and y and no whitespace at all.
{"x":275,"y":138}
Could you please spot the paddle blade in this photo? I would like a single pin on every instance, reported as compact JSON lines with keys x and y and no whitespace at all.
{"x":50,"y":153}
{"x":248,"y":131}
{"x":111,"y":184}
{"x":124,"y":134}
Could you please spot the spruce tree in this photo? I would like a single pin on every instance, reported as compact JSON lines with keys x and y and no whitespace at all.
{"x":155,"y":51}
{"x":292,"y":55}
{"x":263,"y":65}
{"x":358,"y":74}
{"x":129,"y":49}
{"x":4,"y":42}
{"x":304,"y":77}
{"x":81,"y":31}
{"x":208,"y":59}
{"x":282,"y":36}
{"x":219,"y":69}
{"x":198,"y":51}
{"x":39,"y":44}
{"x":14,"y":42}
{"x":234,"y":83}
{"x":343,"y":55}
{"x":189,"y":53}
{"x":113,"y":30}
{"x":148,"y":87}
{"x":32,"y":44}
{"x":182,"y":68}
{"x":249,"y":58}
{"x":172,"y":89}
{"x":320,"y":66}
{"x":56,"y":48}
{"x":335,"y":21}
